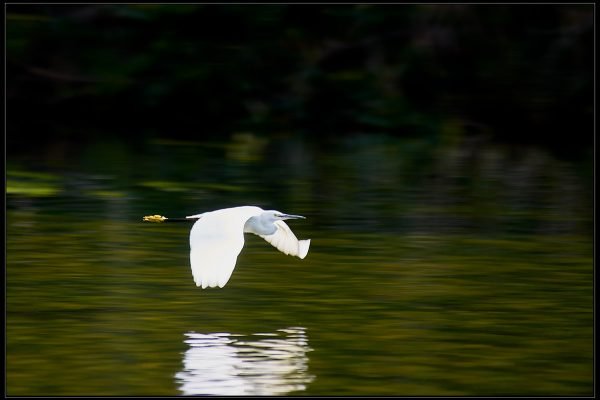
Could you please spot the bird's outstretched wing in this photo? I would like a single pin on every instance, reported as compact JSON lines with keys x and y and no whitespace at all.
{"x":285,"y":241}
{"x":216,"y":240}
{"x":213,"y":262}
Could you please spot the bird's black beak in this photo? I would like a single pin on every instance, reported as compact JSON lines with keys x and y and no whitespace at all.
{"x":290,"y":216}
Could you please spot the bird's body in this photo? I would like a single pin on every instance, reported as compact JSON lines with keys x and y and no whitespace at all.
{"x":217,"y":238}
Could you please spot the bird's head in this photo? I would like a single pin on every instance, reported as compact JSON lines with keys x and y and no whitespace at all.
{"x":275,"y":215}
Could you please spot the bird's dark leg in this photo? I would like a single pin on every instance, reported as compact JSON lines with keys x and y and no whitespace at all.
{"x":159,"y":218}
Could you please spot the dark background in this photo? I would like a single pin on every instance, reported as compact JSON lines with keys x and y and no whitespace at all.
{"x":515,"y":73}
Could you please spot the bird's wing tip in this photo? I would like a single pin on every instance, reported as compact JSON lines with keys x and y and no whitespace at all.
{"x":303,"y":246}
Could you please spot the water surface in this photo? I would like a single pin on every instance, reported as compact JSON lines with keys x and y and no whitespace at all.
{"x":435,"y":268}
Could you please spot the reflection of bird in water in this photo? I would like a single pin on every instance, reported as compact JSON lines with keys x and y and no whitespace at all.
{"x":226,"y":364}
{"x":217,"y":238}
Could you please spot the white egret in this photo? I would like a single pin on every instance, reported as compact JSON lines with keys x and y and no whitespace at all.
{"x":217,"y":238}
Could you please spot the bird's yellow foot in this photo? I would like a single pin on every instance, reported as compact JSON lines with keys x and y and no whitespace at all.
{"x":154,"y":218}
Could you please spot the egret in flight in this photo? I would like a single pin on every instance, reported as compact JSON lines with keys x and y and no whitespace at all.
{"x":217,"y":238}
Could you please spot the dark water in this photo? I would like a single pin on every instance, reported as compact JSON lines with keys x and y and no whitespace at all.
{"x":436,"y":268}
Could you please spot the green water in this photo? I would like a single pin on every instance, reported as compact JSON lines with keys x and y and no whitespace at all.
{"x":435,"y":268}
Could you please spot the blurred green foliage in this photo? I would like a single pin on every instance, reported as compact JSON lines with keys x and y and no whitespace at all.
{"x":521,"y":72}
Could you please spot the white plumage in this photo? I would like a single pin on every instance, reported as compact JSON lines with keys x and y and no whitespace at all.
{"x":285,"y":241}
{"x":217,"y":238}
